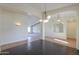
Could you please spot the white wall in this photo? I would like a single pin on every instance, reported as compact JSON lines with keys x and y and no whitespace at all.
{"x":9,"y":32}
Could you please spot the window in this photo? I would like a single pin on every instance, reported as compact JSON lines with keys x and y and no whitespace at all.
{"x":58,"y":27}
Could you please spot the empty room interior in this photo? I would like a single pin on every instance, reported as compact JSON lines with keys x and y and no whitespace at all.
{"x":39,"y":28}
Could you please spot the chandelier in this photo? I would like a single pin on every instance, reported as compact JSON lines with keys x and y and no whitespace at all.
{"x":45,"y":17}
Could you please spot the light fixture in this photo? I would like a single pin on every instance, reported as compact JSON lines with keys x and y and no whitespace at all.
{"x":48,"y":17}
{"x":18,"y":23}
{"x":58,"y":20}
{"x":45,"y":17}
{"x":40,"y":20}
{"x":45,"y":21}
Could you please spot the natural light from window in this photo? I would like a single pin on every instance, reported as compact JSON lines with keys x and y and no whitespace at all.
{"x":29,"y":29}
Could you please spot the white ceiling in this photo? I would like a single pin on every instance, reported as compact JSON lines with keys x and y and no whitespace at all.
{"x":35,"y":8}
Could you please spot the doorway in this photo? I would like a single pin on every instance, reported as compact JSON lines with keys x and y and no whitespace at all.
{"x":71,"y":33}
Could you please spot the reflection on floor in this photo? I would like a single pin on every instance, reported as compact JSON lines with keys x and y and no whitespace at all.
{"x":40,"y":47}
{"x":68,"y":42}
{"x":57,"y":41}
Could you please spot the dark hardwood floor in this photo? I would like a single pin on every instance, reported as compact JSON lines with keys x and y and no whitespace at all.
{"x":40,"y":47}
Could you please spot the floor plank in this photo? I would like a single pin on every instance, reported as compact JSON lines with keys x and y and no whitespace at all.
{"x":40,"y":47}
